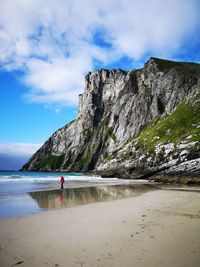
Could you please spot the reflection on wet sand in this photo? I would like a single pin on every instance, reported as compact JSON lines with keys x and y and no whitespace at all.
{"x":55,"y":199}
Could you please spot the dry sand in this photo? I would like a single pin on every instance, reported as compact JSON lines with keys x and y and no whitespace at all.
{"x":158,"y":228}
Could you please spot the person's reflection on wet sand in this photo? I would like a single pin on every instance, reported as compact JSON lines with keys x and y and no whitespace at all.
{"x":61,"y":196}
{"x":70,"y":197}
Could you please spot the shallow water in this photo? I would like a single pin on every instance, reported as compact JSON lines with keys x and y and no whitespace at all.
{"x":20,"y":204}
{"x":17,"y":205}
{"x":24,"y":193}
{"x":23,"y":182}
{"x":56,"y":199}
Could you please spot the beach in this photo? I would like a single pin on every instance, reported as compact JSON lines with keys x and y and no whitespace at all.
{"x":156,"y":228}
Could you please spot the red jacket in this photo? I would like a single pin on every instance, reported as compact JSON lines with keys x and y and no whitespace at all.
{"x":62,"y":180}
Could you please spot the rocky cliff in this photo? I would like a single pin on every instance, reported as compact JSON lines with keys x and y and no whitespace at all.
{"x":138,"y":123}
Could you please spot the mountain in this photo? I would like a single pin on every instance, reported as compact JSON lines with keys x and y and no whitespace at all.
{"x":132,"y":124}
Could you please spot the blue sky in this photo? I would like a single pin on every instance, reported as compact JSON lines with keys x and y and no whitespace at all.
{"x":47,"y":47}
{"x":26,"y":122}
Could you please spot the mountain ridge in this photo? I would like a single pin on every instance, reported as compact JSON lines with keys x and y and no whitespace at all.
{"x":116,"y":130}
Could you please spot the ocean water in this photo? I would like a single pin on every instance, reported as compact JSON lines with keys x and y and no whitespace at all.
{"x":24,"y":193}
{"x":23,"y":182}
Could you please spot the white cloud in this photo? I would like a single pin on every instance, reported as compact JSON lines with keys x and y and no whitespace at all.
{"x":19,"y":149}
{"x":55,"y":42}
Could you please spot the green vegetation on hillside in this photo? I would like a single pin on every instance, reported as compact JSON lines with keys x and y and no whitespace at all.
{"x":85,"y":160}
{"x":54,"y":162}
{"x":184,"y":67}
{"x":109,"y":134}
{"x":87,"y":133}
{"x":182,"y":124}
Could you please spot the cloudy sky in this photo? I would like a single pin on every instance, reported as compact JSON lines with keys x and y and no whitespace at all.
{"x":48,"y":46}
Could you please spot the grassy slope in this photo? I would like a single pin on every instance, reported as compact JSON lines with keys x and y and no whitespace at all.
{"x":184,"y":122}
{"x":183,"y":67}
{"x":53,"y":162}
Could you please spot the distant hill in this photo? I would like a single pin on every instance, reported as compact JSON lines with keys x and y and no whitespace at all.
{"x":8,"y":162}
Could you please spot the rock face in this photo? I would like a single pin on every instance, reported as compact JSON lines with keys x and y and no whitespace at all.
{"x":131,"y":124}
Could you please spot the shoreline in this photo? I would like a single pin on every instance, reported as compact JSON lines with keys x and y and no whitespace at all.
{"x":166,"y":179}
{"x":157,"y":228}
{"x":182,"y":178}
{"x":23,"y":204}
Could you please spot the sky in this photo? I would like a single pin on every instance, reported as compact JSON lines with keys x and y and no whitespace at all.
{"x":47,"y":47}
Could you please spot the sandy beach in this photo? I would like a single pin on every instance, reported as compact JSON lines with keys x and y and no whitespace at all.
{"x":157,"y":228}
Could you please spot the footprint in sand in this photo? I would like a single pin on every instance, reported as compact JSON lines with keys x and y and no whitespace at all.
{"x":17,"y":263}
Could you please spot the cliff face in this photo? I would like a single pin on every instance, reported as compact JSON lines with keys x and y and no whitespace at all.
{"x":132,"y":124}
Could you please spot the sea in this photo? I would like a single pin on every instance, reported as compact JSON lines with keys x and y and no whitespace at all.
{"x":23,"y":192}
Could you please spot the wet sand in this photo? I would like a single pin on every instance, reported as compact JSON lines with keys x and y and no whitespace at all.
{"x":157,"y":228}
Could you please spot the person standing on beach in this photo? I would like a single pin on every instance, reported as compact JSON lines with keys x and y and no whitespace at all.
{"x":62,"y":181}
